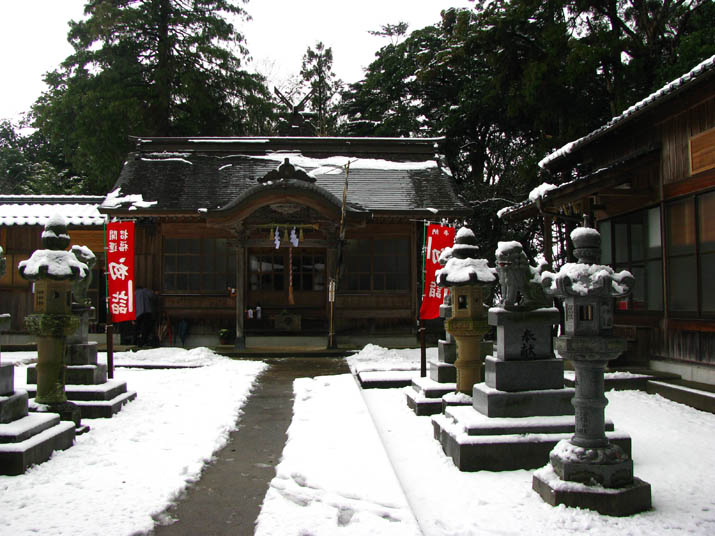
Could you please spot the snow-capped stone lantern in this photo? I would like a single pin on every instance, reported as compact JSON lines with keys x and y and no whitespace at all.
{"x":53,"y":270}
{"x":469,"y":280}
{"x":588,"y":291}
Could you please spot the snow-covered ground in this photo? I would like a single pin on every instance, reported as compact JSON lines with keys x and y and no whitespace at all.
{"x":353,"y":462}
{"x":128,"y":469}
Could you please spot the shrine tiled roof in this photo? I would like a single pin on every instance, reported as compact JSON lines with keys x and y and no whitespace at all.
{"x":188,"y":175}
{"x":78,"y":210}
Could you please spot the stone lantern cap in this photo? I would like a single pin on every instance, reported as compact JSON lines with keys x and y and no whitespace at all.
{"x":585,"y":278}
{"x":53,"y":262}
{"x":463,"y":268}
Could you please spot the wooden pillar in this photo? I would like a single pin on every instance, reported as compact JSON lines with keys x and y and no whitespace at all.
{"x":548,"y":241}
{"x":241,"y":267}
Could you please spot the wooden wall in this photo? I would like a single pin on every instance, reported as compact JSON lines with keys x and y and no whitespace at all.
{"x":677,"y":132}
{"x":18,"y":242}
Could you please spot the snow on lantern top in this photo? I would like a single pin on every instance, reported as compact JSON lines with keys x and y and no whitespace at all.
{"x":53,"y":262}
{"x":463,"y":268}
{"x":585,"y":277}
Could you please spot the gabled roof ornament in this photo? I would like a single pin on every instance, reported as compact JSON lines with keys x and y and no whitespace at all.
{"x":286,"y":171}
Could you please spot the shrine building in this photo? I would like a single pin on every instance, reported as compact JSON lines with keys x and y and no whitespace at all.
{"x":228,"y":227}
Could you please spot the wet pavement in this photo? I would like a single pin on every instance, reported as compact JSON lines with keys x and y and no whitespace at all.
{"x":227,"y":498}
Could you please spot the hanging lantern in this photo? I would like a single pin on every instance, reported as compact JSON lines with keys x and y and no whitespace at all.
{"x":270,"y":233}
{"x":301,"y":234}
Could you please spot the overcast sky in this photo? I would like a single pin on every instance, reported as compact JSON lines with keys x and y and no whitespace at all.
{"x":33,"y":37}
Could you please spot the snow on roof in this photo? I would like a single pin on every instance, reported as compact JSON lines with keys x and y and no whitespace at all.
{"x":134,"y":201}
{"x":336,"y":164}
{"x":37,"y":210}
{"x":540,"y":191}
{"x":654,"y":97}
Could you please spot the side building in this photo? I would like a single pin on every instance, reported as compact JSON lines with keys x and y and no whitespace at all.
{"x":22,"y":220}
{"x":647,"y":178}
{"x":226,"y":227}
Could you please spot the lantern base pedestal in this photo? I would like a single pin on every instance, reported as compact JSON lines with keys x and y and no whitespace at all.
{"x":624,"y":501}
{"x":97,"y":401}
{"x":67,"y":411}
{"x":425,"y":395}
{"x":31,"y":440}
{"x":87,"y":384}
{"x":547,"y":402}
{"x":476,"y":442}
{"x":524,"y":375}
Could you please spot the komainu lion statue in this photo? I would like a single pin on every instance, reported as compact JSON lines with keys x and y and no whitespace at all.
{"x":519,"y":281}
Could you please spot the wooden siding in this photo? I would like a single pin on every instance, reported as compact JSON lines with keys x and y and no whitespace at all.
{"x":676,"y":133}
{"x":685,"y":345}
{"x":702,"y":151}
{"x":18,"y":242}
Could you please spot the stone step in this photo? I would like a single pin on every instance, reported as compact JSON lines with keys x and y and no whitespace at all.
{"x":474,"y":423}
{"x":421,"y":405}
{"x":82,"y":353}
{"x":542,"y":402}
{"x":524,"y":375}
{"x":432,"y":389}
{"x":103,"y":391}
{"x":442,"y":372}
{"x":27,"y":426}
{"x":7,"y":378}
{"x":15,"y":458}
{"x":447,"y":351}
{"x":386,"y":379}
{"x":76,"y":374}
{"x":684,"y":393}
{"x":13,"y":406}
{"x":104,"y":409}
{"x":506,"y":452}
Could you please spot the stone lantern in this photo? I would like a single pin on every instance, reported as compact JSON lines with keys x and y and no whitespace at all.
{"x":588,"y":291}
{"x":469,"y":280}
{"x":53,"y":270}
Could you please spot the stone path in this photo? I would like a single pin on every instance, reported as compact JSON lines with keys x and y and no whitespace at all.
{"x":227,"y":498}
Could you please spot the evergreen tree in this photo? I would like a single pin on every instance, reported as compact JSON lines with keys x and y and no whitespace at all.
{"x":28,"y":165}
{"x":317,"y":73}
{"x":149,"y":68}
{"x":508,"y":81}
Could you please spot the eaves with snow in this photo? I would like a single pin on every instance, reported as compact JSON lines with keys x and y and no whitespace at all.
{"x":78,"y":210}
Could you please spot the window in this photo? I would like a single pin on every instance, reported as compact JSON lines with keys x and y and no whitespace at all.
{"x":633,"y":243}
{"x":308,"y":271}
{"x":266,"y":271}
{"x":377,"y":265}
{"x":198,"y":265}
{"x":691,"y":254}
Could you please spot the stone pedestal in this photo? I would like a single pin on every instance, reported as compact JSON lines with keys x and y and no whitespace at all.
{"x":521,"y":410}
{"x":424,"y":396}
{"x":87,"y":386}
{"x":26,"y":439}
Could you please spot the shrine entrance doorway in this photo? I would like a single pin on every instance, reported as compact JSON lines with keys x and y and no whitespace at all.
{"x":289,"y":284}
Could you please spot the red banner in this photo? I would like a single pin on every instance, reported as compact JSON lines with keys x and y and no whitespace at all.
{"x":120,"y":270}
{"x":438,"y":238}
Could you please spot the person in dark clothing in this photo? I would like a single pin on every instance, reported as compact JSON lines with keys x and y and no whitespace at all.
{"x":145,"y":307}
